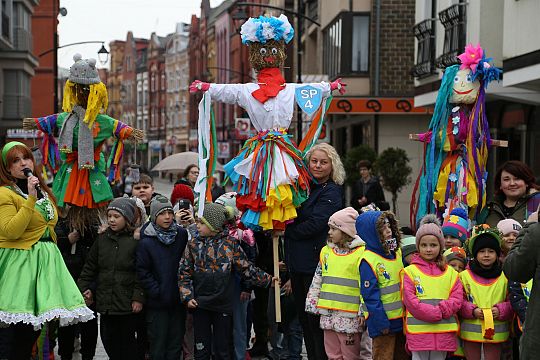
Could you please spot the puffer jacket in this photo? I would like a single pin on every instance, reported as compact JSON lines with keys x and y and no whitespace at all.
{"x":111,"y":265}
{"x":524,"y":207}
{"x":431,"y":313}
{"x":207,"y":269}
{"x":306,"y":236}
{"x":368,"y":227}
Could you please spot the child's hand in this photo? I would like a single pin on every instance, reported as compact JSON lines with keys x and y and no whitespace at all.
{"x":73,"y":237}
{"x":137,"y":233}
{"x":136,"y":307}
{"x":385,"y":331}
{"x":184,"y":217}
{"x":287,"y":287}
{"x":88,"y":297}
{"x":275,"y":280}
{"x":478,"y":313}
{"x":102,"y":228}
{"x":282,"y":266}
{"x":245,"y":296}
{"x":495,"y":312}
{"x":192,"y":304}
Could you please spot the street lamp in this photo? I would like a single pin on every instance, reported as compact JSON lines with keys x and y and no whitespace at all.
{"x":103,"y":55}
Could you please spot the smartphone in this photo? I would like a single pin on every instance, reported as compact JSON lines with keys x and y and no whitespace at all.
{"x":184,"y":204}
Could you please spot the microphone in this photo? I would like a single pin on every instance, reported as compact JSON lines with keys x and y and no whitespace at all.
{"x":27,"y":172}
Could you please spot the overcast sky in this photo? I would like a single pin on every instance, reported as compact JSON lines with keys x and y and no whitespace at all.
{"x":107,"y":20}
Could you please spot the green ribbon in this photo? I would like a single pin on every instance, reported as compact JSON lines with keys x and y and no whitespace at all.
{"x":8,"y":147}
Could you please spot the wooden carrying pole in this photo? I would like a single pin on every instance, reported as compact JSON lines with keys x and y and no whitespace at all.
{"x":277,"y":290}
{"x":494,"y":142}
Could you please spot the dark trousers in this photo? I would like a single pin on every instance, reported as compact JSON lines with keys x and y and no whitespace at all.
{"x":16,"y":341}
{"x":213,"y":331}
{"x":118,"y":336}
{"x":143,"y":347}
{"x":313,"y":335}
{"x":89,"y":334}
{"x":260,"y":320}
{"x":166,"y":332}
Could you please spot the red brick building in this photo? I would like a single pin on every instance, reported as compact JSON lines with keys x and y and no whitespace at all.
{"x":44,"y":26}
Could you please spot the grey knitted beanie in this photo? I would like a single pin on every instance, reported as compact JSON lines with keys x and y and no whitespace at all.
{"x":125,"y":206}
{"x":83,"y":71}
{"x":215,"y":216}
{"x":158,"y":205}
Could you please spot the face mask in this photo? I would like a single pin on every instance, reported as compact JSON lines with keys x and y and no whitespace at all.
{"x":391,"y":244}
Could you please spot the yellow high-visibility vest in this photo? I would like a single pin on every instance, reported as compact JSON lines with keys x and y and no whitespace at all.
{"x":388,"y":276}
{"x":431,"y":290}
{"x":340,"y":289}
{"x":526,"y":288}
{"x":485,"y":296}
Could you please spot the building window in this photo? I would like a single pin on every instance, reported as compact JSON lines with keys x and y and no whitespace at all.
{"x":425,"y":56}
{"x":16,"y":100}
{"x":346,"y":45}
{"x":455,"y":27}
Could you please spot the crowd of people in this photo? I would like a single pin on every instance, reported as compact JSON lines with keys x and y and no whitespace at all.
{"x":168,"y":284}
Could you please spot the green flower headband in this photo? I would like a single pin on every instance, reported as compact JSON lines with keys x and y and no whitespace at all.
{"x":8,"y":147}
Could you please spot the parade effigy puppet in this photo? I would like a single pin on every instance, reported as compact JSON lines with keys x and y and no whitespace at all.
{"x":454,"y":172}
{"x":268,"y":174}
{"x":83,"y":128}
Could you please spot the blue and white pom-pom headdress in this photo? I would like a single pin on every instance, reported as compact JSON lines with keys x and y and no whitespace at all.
{"x":266,"y":28}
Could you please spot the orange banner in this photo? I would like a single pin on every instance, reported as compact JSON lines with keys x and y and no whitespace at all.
{"x":375,"y":105}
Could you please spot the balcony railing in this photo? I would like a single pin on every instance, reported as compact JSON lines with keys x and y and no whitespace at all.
{"x":22,"y":39}
{"x":425,"y":58}
{"x":17,"y":106}
{"x":455,"y":28}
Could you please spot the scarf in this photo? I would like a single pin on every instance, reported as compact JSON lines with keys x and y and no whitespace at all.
{"x":271,"y":82}
{"x":85,"y":146}
{"x":166,"y":236}
{"x":493,"y":272}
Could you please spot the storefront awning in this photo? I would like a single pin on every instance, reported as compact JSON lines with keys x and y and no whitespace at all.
{"x":375,"y":105}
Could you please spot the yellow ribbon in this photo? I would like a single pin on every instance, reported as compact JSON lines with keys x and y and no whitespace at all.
{"x":488,"y":326}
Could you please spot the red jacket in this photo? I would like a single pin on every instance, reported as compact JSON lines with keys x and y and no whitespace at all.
{"x":431,"y":313}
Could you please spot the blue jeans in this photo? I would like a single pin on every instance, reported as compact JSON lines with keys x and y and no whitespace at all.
{"x":286,"y":345}
{"x":239,"y":325}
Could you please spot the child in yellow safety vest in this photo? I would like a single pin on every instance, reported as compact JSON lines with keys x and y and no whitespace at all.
{"x":334,"y":293}
{"x":486,"y":311}
{"x":432,"y":295}
{"x":380,"y":270}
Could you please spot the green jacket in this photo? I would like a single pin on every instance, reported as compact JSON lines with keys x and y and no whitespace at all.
{"x":110,"y":273}
{"x":521,"y":265}
{"x":524,"y":207}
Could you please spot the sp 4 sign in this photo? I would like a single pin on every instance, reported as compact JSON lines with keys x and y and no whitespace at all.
{"x":308,"y":98}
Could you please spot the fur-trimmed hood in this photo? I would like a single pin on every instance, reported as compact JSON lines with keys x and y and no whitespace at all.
{"x":369,"y":226}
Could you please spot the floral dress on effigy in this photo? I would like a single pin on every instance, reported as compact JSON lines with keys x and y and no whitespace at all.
{"x":269,"y":173}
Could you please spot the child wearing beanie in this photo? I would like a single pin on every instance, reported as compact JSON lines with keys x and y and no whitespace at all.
{"x":455,"y":228}
{"x":380,"y":274}
{"x":432,"y":295}
{"x":158,"y":256}
{"x":206,"y":279}
{"x":408,"y":248}
{"x":509,"y":229}
{"x":334,"y":291}
{"x":456,"y":257}
{"x":486,"y":311}
{"x":110,"y":267}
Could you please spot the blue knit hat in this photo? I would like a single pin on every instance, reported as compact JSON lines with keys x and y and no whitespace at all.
{"x":456,"y":225}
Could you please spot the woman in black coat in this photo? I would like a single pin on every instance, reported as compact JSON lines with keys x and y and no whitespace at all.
{"x":307,"y":235}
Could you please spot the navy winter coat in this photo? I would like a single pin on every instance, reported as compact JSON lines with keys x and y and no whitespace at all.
{"x":157,"y":268}
{"x":307,"y":235}
{"x":366,"y":227}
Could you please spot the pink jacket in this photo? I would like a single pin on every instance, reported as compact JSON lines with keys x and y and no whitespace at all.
{"x":505,"y":308}
{"x":431,"y":313}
